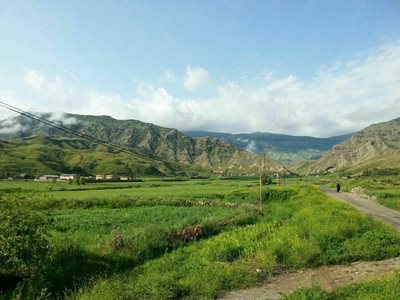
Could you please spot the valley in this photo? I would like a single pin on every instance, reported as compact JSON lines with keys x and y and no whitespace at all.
{"x":198,"y":150}
{"x":192,"y":216}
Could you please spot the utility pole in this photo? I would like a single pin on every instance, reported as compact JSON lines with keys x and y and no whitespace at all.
{"x":262,"y":168}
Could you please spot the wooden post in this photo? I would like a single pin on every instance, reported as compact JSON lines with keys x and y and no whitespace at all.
{"x":261,"y":198}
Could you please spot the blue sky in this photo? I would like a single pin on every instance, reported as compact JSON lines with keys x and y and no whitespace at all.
{"x":237,"y":66}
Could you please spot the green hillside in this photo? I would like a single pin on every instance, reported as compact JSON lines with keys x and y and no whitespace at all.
{"x":156,"y":148}
{"x":49,"y":155}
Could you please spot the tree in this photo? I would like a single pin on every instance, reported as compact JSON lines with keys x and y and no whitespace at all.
{"x":265,"y":179}
{"x":82,"y":180}
{"x":77,"y":180}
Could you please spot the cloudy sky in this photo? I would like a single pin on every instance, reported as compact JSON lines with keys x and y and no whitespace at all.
{"x":317,"y":68}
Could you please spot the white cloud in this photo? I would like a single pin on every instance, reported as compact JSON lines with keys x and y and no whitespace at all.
{"x":169,"y":76}
{"x":196,"y":78}
{"x":37,"y":81}
{"x":10,"y":125}
{"x":62,"y":118}
{"x":251,"y":147}
{"x":340,"y":99}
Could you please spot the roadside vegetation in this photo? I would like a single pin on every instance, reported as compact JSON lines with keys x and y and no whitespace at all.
{"x":168,"y":239}
{"x":387,"y":288}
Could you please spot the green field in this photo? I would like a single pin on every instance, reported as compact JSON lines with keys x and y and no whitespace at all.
{"x":169,"y":239}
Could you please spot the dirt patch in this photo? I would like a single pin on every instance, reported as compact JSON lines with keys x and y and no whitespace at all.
{"x":328,"y":277}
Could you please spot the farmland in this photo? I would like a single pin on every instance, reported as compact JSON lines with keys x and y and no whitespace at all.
{"x":174,"y":238}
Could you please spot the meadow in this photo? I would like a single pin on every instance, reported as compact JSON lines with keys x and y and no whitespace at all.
{"x":190,"y":239}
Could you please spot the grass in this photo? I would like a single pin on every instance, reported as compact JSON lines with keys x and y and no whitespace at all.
{"x":149,"y":192}
{"x":86,"y":243}
{"x":187,"y":239}
{"x":387,"y":288}
{"x":306,"y":229}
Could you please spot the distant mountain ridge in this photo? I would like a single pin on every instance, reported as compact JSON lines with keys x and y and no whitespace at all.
{"x":376,"y":146}
{"x":157,"y":143}
{"x":283,"y":148}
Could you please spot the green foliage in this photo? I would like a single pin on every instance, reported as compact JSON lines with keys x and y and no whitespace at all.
{"x":265,"y":180}
{"x":87,"y":243}
{"x":310,"y":293}
{"x":305,"y":229}
{"x":23,"y":242}
{"x":387,"y":288}
{"x":77,"y":180}
{"x":187,"y":239}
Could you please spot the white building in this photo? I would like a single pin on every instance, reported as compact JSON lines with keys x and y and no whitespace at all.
{"x":48,"y":178}
{"x":68,"y":176}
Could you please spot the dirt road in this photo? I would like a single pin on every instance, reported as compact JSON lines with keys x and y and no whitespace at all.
{"x":367,"y":206}
{"x":329,"y":277}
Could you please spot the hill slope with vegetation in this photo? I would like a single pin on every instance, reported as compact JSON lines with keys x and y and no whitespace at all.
{"x":49,"y":155}
{"x":149,"y":141}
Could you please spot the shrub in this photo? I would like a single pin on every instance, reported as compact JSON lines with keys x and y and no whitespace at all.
{"x":23,"y":242}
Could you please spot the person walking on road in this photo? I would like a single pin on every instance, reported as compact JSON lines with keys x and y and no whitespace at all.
{"x":338,"y":187}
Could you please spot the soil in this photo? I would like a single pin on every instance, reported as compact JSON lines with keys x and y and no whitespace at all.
{"x":329,"y":277}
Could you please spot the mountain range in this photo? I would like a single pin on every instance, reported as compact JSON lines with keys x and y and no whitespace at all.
{"x":285,"y":149}
{"x":166,"y":150}
{"x":29,"y":146}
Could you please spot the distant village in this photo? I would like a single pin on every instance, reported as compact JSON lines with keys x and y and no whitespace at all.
{"x":73,"y":177}
{"x":69,"y":177}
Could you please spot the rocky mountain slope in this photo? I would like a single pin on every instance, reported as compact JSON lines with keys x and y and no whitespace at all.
{"x":157,"y":143}
{"x":285,"y":149}
{"x":371,"y":144}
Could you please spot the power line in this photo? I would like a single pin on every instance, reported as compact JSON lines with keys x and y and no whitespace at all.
{"x":66,"y":129}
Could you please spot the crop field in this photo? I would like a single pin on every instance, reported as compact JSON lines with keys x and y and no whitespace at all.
{"x":170,"y":239}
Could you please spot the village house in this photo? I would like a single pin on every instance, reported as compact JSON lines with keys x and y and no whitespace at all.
{"x":68,"y":176}
{"x":112,"y":177}
{"x":48,"y":178}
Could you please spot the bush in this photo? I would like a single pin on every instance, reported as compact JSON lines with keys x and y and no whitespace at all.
{"x":265,"y":180}
{"x":23,"y":242}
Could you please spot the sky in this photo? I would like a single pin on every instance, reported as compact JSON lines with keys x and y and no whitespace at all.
{"x":319,"y":68}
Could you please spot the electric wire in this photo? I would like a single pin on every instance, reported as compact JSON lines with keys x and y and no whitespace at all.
{"x":68,"y":130}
